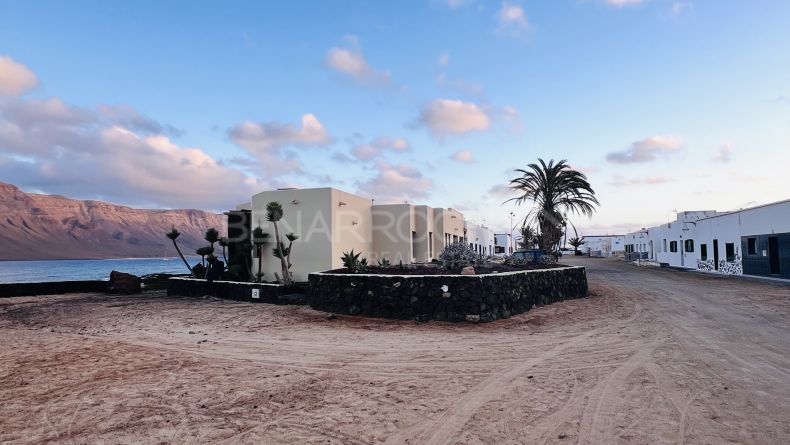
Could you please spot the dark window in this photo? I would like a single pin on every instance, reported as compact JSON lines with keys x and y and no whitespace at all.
{"x":673,"y":246}
{"x":689,"y":245}
{"x":703,"y":252}
{"x":752,"y":246}
{"x":730,"y":250}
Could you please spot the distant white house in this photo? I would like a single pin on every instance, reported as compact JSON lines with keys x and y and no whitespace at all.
{"x":502,"y":244}
{"x":752,"y":241}
{"x":603,"y":245}
{"x":479,"y":237}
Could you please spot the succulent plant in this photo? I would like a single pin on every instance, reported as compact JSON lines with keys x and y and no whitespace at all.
{"x":456,"y":256}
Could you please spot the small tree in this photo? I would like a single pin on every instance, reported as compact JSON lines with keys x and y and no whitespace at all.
{"x":576,"y":242}
{"x":259,"y":238}
{"x":291,"y":238}
{"x":204,"y":252}
{"x":173,"y":236}
{"x":224,"y":243}
{"x":528,"y":237}
{"x":212,"y":236}
{"x":274,"y":213}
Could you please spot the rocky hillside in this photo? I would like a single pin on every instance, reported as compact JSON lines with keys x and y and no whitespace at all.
{"x":53,"y":227}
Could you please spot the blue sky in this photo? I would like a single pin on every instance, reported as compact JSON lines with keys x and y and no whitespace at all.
{"x":666,"y":105}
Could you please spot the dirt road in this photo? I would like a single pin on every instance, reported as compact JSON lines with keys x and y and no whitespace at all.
{"x":653,"y":356}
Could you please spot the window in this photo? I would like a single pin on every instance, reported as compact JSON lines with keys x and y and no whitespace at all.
{"x":689,"y":245}
{"x":703,"y":252}
{"x":673,"y":246}
{"x":430,"y":245}
{"x":752,"y":246}
{"x":730,"y":250}
{"x":665,"y":245}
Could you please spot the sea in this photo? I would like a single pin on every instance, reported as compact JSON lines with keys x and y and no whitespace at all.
{"x":68,"y":270}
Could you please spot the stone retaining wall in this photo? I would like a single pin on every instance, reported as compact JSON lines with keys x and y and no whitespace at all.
{"x":52,"y":288}
{"x":474,"y":298}
{"x":239,"y":291}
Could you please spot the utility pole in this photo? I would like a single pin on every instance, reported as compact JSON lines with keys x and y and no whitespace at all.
{"x":512,"y":227}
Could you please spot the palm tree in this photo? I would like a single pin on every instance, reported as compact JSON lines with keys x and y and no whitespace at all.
{"x":259,"y":238}
{"x":173,"y":235}
{"x":224,"y":243}
{"x":204,"y":252}
{"x":291,"y":238}
{"x":212,"y":236}
{"x":556,"y":190}
{"x":576,"y":242}
{"x":274,"y":213}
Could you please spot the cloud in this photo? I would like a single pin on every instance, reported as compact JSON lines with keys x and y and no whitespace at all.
{"x":15,"y":78}
{"x":445,"y":116}
{"x":128,"y":117}
{"x":443,"y":60}
{"x":678,"y":8}
{"x":620,"y":181}
{"x":352,"y":64}
{"x":784,"y":100}
{"x":395,"y":183}
{"x":646,"y":150}
{"x":459,"y":85}
{"x":454,"y":4}
{"x":512,"y":19}
{"x":464,"y":156}
{"x":266,"y":140}
{"x":622,"y":3}
{"x":375,"y":148}
{"x":50,"y":146}
{"x":501,"y":191}
{"x":724,"y":154}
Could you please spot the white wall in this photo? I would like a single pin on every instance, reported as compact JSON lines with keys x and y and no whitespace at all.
{"x":702,"y":228}
{"x":307,"y":213}
{"x":481,"y":237}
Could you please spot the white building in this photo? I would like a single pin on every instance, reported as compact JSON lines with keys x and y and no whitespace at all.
{"x":330,"y":222}
{"x":603,"y":245}
{"x":753,"y":241}
{"x":480,"y":238}
{"x":502,"y":244}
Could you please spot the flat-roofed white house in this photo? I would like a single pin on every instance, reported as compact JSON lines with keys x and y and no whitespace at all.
{"x":480,"y":238}
{"x":603,"y":245}
{"x":752,"y":241}
{"x":329,"y":222}
{"x":503,"y":245}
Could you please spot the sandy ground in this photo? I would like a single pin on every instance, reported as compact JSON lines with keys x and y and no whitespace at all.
{"x":652,"y":357}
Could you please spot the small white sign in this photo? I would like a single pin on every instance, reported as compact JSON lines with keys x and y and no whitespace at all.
{"x":256,"y":293}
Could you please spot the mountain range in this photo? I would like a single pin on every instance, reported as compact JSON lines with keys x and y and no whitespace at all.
{"x":38,"y":227}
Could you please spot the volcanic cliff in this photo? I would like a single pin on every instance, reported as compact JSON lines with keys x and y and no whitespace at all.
{"x":34,"y":227}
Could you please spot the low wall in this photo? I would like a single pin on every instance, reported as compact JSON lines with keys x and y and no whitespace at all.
{"x":239,"y":291}
{"x":52,"y":288}
{"x":475,"y":298}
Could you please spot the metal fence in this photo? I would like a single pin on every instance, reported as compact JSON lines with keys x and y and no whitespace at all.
{"x":633,"y":256}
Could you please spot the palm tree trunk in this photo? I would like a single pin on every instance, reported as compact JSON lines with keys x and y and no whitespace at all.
{"x":182,"y":258}
{"x":283,"y":263}
{"x":288,"y":258}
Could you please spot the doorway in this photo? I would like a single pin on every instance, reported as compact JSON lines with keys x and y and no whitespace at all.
{"x":716,"y":254}
{"x":773,"y":254}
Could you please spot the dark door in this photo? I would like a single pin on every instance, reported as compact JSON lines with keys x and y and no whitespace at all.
{"x":716,"y":254}
{"x":773,"y":254}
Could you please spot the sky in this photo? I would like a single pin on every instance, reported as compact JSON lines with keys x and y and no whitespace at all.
{"x":666,"y":105}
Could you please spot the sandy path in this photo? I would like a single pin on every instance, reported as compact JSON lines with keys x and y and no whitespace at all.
{"x":653,"y":356}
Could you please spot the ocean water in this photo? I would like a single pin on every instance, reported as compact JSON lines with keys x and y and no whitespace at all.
{"x":65,"y":270}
